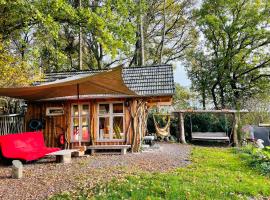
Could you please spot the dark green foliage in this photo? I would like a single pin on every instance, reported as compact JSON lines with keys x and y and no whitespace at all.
{"x":208,"y":123}
{"x":200,"y":123}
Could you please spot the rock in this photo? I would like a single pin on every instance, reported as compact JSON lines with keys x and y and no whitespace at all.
{"x":17,"y":169}
{"x":145,"y":146}
{"x":156,"y":146}
{"x":259,"y":143}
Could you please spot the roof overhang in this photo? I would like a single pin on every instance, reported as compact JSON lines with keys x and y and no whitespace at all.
{"x":104,"y":83}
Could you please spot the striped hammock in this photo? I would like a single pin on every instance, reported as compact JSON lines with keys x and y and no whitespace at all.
{"x":165,"y":131}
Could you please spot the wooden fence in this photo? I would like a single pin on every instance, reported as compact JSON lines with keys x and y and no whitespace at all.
{"x":11,"y":124}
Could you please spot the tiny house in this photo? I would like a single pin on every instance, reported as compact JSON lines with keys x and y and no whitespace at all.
{"x":95,"y":107}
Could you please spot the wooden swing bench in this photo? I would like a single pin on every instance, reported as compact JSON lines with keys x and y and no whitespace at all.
{"x":210,"y":136}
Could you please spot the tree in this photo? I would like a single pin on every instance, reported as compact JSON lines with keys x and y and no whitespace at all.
{"x":169,"y":31}
{"x":259,"y":107}
{"x":112,"y":32}
{"x":54,"y":27}
{"x":14,"y":72}
{"x":236,"y":40}
{"x":199,"y":73}
{"x":182,"y":97}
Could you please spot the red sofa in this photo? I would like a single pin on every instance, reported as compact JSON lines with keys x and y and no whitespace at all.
{"x":26,"y":146}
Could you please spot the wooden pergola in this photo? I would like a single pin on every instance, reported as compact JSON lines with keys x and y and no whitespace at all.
{"x":236,"y":116}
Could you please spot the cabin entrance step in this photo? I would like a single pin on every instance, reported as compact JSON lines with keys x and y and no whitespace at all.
{"x":109,"y":149}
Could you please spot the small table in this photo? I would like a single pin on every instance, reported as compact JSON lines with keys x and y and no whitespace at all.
{"x":149,"y":139}
{"x":63,"y":156}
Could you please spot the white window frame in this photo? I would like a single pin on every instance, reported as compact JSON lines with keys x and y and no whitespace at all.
{"x":111,"y":115}
{"x":80,"y":121}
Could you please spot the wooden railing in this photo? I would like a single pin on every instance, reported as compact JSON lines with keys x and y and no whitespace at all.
{"x":13,"y":123}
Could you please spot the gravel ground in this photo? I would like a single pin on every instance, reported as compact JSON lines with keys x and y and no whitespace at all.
{"x":45,"y":178}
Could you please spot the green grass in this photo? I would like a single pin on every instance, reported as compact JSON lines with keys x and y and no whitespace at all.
{"x":215,"y":173}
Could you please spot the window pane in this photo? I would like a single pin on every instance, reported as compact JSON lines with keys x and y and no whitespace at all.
{"x":76,"y":130}
{"x":75,"y":121}
{"x":85,"y":109}
{"x":75,"y":110}
{"x":104,"y":128}
{"x":118,"y":132}
{"x":85,"y":129}
{"x":118,"y":108}
{"x":104,"y":108}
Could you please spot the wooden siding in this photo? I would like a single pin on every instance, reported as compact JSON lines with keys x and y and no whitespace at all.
{"x":55,"y":125}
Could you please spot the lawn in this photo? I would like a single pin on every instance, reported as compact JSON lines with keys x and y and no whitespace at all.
{"x":215,"y":173}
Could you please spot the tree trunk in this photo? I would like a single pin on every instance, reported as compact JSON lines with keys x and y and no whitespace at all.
{"x":236,"y":94}
{"x":204,"y":98}
{"x":134,"y":59}
{"x":138,"y":115}
{"x":99,"y":56}
{"x":163,"y":32}
{"x":133,"y":125}
{"x":222,"y":98}
{"x":80,"y":42}
{"x":181,"y":128}
{"x":214,"y":95}
{"x":235,"y":130}
{"x":141,"y":60}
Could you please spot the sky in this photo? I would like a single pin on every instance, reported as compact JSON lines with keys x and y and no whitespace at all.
{"x":180,"y":75}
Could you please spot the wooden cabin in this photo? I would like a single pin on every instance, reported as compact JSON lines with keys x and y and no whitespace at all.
{"x":106,"y":107}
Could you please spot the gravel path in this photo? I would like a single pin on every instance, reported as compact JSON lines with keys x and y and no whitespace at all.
{"x":46,"y":177}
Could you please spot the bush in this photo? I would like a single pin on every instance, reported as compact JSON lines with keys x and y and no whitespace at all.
{"x":257,"y":158}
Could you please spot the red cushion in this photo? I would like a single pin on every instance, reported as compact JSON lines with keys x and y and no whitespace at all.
{"x":26,"y":146}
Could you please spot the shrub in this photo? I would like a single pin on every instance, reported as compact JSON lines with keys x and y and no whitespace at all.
{"x":257,"y":158}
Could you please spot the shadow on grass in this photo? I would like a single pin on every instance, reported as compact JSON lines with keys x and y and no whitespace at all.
{"x":211,"y":144}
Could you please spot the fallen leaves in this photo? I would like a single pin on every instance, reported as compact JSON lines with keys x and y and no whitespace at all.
{"x":46,"y":178}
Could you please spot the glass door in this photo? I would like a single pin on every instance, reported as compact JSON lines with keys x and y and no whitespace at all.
{"x":80,"y":118}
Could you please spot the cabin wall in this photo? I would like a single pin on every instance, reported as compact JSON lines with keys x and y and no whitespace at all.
{"x":55,"y":125}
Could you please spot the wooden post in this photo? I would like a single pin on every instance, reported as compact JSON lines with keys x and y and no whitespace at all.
{"x":235,"y":129}
{"x":80,"y":41}
{"x":181,"y":125}
{"x":17,"y":169}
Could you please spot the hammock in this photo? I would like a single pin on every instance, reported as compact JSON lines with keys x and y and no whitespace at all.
{"x":165,"y":131}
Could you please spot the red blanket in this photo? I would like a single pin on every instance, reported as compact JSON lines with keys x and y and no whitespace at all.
{"x":24,"y":146}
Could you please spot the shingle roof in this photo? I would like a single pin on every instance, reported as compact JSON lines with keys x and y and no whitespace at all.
{"x":155,"y":80}
{"x":150,"y":80}
{"x":55,"y":76}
